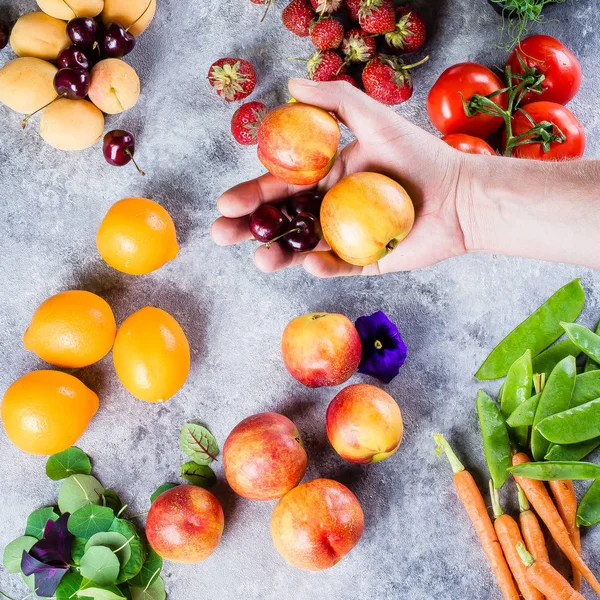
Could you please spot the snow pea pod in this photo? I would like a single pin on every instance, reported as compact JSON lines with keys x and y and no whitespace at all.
{"x":572,"y":426}
{"x":592,"y":365}
{"x":548,"y":359}
{"x":523,"y":415}
{"x":556,"y":397}
{"x":587,"y":387}
{"x":557,"y":471}
{"x":496,"y":442}
{"x":572,"y":452}
{"x":537,"y":332}
{"x":515,"y":391}
{"x":583,"y":338}
{"x":588,"y":512}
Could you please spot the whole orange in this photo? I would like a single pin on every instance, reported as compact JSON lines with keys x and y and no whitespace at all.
{"x":45,"y":412}
{"x":151,"y":355}
{"x":137,"y":236}
{"x":72,"y":329}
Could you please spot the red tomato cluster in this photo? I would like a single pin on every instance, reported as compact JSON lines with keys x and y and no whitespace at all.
{"x":557,"y":133}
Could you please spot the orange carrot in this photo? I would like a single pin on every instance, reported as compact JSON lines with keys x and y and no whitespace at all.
{"x":531,"y":530}
{"x":539,"y":497}
{"x":546,"y":578}
{"x":475,"y":506}
{"x":509,"y":536}
{"x":566,"y":503}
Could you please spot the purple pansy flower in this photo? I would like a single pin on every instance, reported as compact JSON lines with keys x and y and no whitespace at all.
{"x":383,"y":349}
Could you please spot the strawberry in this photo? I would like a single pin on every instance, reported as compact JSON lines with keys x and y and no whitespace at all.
{"x":233,"y":78}
{"x":245,"y":122}
{"x":346,"y":77}
{"x":358,"y":46}
{"x":327,"y":34}
{"x":387,"y":79}
{"x":325,"y":65}
{"x":267,"y":3}
{"x":297,"y":17}
{"x":326,"y":6}
{"x":410,"y":31}
{"x":377,"y":16}
{"x":353,"y":7}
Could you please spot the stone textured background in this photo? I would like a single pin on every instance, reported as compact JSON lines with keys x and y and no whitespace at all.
{"x":418,"y":543}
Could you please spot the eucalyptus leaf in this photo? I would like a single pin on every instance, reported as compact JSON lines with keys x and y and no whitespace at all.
{"x":117,"y":542}
{"x":138,"y":549}
{"x":150,"y":571}
{"x":68,"y":586}
{"x":72,"y":461}
{"x":100,"y":565}
{"x":89,"y":520}
{"x":78,"y":491}
{"x":163,"y":488}
{"x":36,"y":522}
{"x":198,"y":443}
{"x":13,"y":553}
{"x":111,"y":499}
{"x":156,"y":591}
{"x":201,"y":475}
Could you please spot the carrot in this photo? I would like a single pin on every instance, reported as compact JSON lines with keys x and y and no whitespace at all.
{"x":546,"y":578}
{"x":509,"y":536}
{"x":475,"y":506}
{"x":566,"y":503}
{"x":531,"y":530}
{"x":539,"y":497}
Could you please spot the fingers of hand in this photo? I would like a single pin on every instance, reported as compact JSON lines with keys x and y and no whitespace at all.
{"x":275,"y":258}
{"x":327,"y":264}
{"x":225,"y":231}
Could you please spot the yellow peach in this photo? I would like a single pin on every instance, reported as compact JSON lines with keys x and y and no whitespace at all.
{"x":59,"y":9}
{"x":133,"y":14}
{"x":39,"y":35}
{"x":26,"y":84}
{"x":114,"y":86}
{"x":71,"y":124}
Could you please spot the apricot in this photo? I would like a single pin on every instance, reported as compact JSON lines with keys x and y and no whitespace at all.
{"x":59,"y":9}
{"x":26,"y":84}
{"x":135,"y":14}
{"x":71,"y":124}
{"x":39,"y":35}
{"x":114,"y":86}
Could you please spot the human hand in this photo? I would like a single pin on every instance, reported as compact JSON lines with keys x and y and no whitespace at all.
{"x":386,"y":143}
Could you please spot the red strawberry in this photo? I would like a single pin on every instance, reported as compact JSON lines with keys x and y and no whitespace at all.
{"x":410,"y":32}
{"x":325,"y":65}
{"x":245,"y":122}
{"x":357,"y":46}
{"x":387,"y":79}
{"x":297,"y":17}
{"x":353,"y":7}
{"x":233,"y":78}
{"x":327,"y":34}
{"x":326,"y":6}
{"x":346,"y":77}
{"x":377,"y":16}
{"x":267,"y":3}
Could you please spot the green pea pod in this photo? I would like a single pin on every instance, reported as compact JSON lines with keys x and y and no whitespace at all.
{"x":516,"y":390}
{"x":572,"y":426}
{"x":592,"y":365}
{"x":587,"y":387}
{"x":548,"y":359}
{"x":496,"y":442}
{"x":523,"y":415}
{"x":583,"y":338}
{"x":556,"y":397}
{"x":537,"y":332}
{"x":557,"y":471}
{"x":572,"y":452}
{"x":588,"y":512}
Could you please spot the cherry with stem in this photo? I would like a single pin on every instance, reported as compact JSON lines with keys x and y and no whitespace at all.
{"x":117,"y":41}
{"x":119,"y":148}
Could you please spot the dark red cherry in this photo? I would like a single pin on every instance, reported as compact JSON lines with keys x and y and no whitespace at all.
{"x":83,"y":32}
{"x":119,"y":148}
{"x":304,"y":233}
{"x":75,"y":58}
{"x":72,"y":83}
{"x":4,"y":35}
{"x":116,"y":41}
{"x":309,"y":202}
{"x":268,"y":222}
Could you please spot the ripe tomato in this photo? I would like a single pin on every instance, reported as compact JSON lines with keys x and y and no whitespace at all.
{"x":445,"y":101}
{"x":468,"y":144}
{"x":562,"y":118}
{"x":552,"y":58}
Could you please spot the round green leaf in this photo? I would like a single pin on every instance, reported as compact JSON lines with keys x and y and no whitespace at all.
{"x":13,"y":553}
{"x":201,"y":475}
{"x":68,"y":586}
{"x":29,"y":581}
{"x":198,"y":443}
{"x":36,"y":522}
{"x":163,"y":488}
{"x":117,"y":542}
{"x":138,"y":549}
{"x":72,"y":461}
{"x":154,"y":592}
{"x":150,"y":571}
{"x":100,"y":565}
{"x":78,"y":491}
{"x":89,"y":520}
{"x":90,"y":591}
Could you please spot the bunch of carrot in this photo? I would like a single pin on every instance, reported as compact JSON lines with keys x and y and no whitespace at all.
{"x":517,"y":551}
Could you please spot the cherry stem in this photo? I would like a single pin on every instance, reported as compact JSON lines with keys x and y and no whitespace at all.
{"x":276,"y":239}
{"x":145,"y":11}
{"x":417,"y":64}
{"x":26,"y":119}
{"x":130,"y":154}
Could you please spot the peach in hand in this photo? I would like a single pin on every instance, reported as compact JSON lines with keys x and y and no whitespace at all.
{"x":185,"y":524}
{"x":114,"y":86}
{"x":365,"y":216}
{"x":321,"y":349}
{"x":364,"y":424}
{"x":264,"y":457}
{"x":298,"y":143}
{"x":316,"y":524}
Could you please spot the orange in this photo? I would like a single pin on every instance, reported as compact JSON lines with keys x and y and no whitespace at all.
{"x":137,"y":236}
{"x":71,"y":330}
{"x":45,"y":412}
{"x":151,"y":355}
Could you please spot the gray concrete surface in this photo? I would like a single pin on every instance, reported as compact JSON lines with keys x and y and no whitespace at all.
{"x":418,"y":543}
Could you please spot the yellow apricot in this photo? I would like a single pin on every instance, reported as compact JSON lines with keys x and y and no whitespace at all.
{"x":39,"y":35}
{"x":26,"y":84}
{"x":59,"y":9}
{"x":134,"y":14}
{"x":114,"y":86}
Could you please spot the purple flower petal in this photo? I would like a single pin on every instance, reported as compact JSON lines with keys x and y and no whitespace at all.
{"x":47,"y":577}
{"x":55,"y":548}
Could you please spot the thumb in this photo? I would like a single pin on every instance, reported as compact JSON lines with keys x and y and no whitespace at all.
{"x":355,"y":109}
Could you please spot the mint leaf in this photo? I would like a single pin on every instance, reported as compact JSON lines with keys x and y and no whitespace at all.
{"x":198,"y":443}
{"x":36,"y":522}
{"x":72,"y":461}
{"x":200,"y":475}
